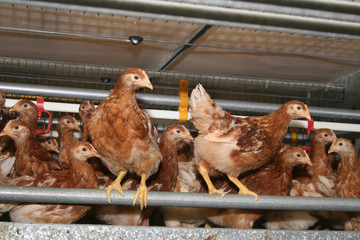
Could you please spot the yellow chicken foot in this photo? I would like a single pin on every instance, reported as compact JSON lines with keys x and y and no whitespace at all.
{"x":141,"y":193}
{"x":116,"y":185}
{"x":242,"y":189}
{"x":209,"y":184}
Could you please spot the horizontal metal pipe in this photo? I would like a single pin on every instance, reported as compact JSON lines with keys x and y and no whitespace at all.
{"x":328,"y":5}
{"x":167,"y":100}
{"x":224,"y":14}
{"x":212,"y":15}
{"x":171,"y":199}
{"x":311,"y":8}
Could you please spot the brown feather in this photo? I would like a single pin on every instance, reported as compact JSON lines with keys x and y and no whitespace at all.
{"x":85,"y":110}
{"x":79,"y":175}
{"x":171,"y":143}
{"x":235,"y":145}
{"x":348,"y":179}
{"x":31,"y":158}
{"x":66,"y":127}
{"x":274,"y":179}
{"x":123,"y":134}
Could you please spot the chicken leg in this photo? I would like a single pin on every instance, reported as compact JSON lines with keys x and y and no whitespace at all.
{"x":210,"y":185}
{"x":242,"y":188}
{"x":141,"y":193}
{"x":116,"y":185}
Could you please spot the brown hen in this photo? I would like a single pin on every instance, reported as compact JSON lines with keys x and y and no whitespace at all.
{"x":79,"y":175}
{"x":6,"y":144}
{"x":31,"y":158}
{"x":27,"y":112}
{"x":171,"y":142}
{"x":234,"y":145}
{"x":189,"y":180}
{"x":50,"y":144}
{"x":274,"y":179}
{"x":124,"y":135}
{"x":85,"y":110}
{"x":66,"y":127}
{"x":104,"y":176}
{"x":348,"y":179}
{"x":317,"y":180}
{"x":320,"y":178}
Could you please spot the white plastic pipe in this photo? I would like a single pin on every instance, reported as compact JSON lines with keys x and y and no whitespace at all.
{"x":174,"y":115}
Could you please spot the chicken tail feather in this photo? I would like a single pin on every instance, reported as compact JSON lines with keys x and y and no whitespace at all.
{"x":203,"y":109}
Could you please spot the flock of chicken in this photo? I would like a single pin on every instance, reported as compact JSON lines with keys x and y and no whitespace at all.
{"x":229,"y":155}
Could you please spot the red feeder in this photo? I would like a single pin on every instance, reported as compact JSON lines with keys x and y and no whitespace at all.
{"x":310,"y":126}
{"x":41,"y":109}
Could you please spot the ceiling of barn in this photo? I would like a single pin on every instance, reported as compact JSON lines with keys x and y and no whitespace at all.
{"x":101,"y":38}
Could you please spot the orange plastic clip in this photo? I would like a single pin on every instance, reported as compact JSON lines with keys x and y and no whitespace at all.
{"x":41,"y":109}
{"x":294,"y":137}
{"x":310,"y":126}
{"x":184,"y":101}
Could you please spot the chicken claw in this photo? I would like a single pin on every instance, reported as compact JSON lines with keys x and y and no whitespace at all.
{"x":242,"y":189}
{"x":141,"y":193}
{"x":210,"y":185}
{"x":116,"y":185}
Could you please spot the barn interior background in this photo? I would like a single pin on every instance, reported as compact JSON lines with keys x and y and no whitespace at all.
{"x":251,"y":56}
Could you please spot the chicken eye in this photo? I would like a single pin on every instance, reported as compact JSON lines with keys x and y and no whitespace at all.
{"x":84,"y":149}
{"x":298,"y":108}
{"x":298,"y":155}
{"x":25,"y":105}
{"x":178,"y":131}
{"x":16,"y":127}
{"x":49,"y":142}
{"x":68,"y":121}
{"x":340,"y":144}
{"x":326,"y":135}
{"x":83,"y":107}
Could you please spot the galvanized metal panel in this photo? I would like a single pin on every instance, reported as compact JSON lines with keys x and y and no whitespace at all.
{"x":10,"y":231}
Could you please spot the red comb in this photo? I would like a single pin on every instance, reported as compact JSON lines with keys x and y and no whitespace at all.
{"x":306,"y":148}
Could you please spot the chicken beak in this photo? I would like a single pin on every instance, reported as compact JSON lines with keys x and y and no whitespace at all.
{"x":307,"y":161}
{"x":307,"y":113}
{"x":3,"y":132}
{"x":13,"y":109}
{"x":188,"y":139}
{"x":148,"y":84}
{"x":332,"y":147}
{"x":77,"y":128}
{"x":96,"y":154}
{"x":93,"y":152}
{"x":188,"y":136}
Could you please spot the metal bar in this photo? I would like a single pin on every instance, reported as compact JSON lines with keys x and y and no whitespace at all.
{"x":166,"y":100}
{"x":211,"y":80}
{"x":175,"y":115}
{"x":211,"y":15}
{"x":172,"y":199}
{"x":10,"y":231}
{"x":176,"y":53}
{"x":224,"y":14}
{"x":334,"y":10}
{"x":302,"y":137}
{"x":328,"y":5}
